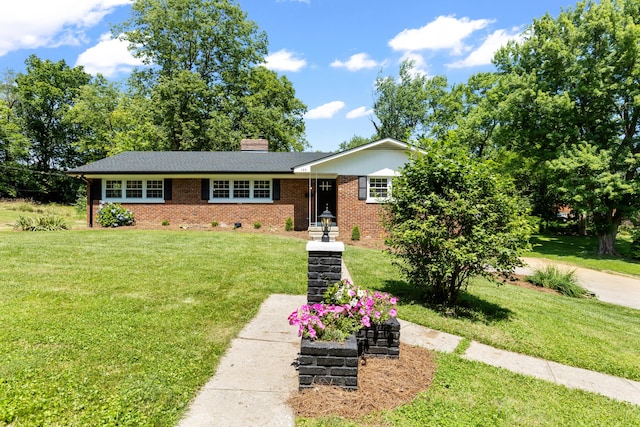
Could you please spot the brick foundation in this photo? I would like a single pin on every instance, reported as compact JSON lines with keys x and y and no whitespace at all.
{"x":328,"y":362}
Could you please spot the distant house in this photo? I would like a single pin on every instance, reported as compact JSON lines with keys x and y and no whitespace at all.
{"x":248,"y":186}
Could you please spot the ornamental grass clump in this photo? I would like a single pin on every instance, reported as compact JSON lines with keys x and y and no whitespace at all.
{"x":114,"y":215}
{"x":346,"y":309}
{"x":564,"y":282}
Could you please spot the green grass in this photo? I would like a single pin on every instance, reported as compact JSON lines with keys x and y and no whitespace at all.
{"x":582,"y":251}
{"x":122,"y":327}
{"x":12,"y":210}
{"x":579,"y":332}
{"x":465,"y":393}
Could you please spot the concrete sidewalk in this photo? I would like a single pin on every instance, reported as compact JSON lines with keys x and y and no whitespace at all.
{"x":256,"y":375}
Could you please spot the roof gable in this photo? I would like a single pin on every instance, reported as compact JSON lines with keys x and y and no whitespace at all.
{"x":392,"y":148}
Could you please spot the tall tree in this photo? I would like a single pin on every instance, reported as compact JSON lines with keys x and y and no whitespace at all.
{"x":15,"y":177}
{"x":202,"y":57}
{"x":400,"y":103}
{"x":46,"y":92}
{"x":574,"y":106}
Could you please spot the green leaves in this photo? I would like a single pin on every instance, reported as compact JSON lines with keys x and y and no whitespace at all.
{"x":451,"y":216}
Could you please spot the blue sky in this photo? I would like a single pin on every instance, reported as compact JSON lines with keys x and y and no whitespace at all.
{"x":331,"y":50}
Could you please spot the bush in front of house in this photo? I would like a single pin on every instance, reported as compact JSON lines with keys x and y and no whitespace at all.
{"x":288,"y":224}
{"x":114,"y":215}
{"x":452,"y":216}
{"x":355,"y":233}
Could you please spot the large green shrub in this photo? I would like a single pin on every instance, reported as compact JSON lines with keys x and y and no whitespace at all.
{"x":114,"y":215}
{"x":450,"y":218}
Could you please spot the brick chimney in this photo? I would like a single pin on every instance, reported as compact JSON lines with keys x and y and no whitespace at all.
{"x":260,"y":145}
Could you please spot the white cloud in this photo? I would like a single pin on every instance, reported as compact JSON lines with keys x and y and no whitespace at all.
{"x":357,"y":62}
{"x":445,"y":32}
{"x":109,"y":57}
{"x":484,"y":54}
{"x":325,"y":111}
{"x":358,"y":112}
{"x":32,"y":24}
{"x":284,"y":60}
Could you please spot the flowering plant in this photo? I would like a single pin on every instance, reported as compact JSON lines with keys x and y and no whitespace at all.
{"x":346,"y":309}
{"x":114,"y":215}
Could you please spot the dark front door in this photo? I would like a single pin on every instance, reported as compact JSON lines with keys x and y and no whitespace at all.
{"x":326,"y":191}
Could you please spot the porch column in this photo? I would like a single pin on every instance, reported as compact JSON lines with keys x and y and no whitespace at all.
{"x":324,"y":268}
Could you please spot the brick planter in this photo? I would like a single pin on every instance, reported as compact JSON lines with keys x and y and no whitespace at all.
{"x":380,"y":340}
{"x":328,"y":362}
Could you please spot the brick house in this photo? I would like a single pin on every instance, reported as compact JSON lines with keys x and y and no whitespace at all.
{"x":248,"y":186}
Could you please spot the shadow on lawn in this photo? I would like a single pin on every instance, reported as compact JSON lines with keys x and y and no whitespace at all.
{"x":585,"y":247}
{"x":469,"y":306}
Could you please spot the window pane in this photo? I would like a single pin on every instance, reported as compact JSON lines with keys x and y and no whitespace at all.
{"x":220,"y":189}
{"x":154,"y":189}
{"x":261,"y":189}
{"x":240,"y":189}
{"x":378,"y":188}
{"x":113,"y":189}
{"x":134,"y":189}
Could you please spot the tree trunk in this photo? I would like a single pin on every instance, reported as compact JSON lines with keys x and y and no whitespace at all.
{"x":607,"y":226}
{"x":607,"y":243}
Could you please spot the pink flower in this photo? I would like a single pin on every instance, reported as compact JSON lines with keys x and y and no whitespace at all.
{"x":393,"y":312}
{"x":366,"y":321}
{"x":393,"y":300}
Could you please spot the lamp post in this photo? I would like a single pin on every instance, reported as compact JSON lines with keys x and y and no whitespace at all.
{"x":326,"y":218}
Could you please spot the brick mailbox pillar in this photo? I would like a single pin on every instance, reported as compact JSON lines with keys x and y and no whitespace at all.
{"x":325,"y":268}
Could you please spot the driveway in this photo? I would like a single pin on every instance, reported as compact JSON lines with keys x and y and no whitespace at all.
{"x":608,"y":287}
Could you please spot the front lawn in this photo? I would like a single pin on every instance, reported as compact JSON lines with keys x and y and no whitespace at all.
{"x":579,"y":332}
{"x":122,"y":327}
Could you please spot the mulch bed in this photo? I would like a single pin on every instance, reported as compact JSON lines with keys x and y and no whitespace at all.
{"x":383,"y":384}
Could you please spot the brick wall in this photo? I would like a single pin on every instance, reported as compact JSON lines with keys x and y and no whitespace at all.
{"x":356,"y":212}
{"x":186,"y":207}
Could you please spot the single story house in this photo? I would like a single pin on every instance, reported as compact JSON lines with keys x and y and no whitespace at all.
{"x":248,"y":186}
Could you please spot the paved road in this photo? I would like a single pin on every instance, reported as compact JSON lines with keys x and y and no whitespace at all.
{"x":608,"y":287}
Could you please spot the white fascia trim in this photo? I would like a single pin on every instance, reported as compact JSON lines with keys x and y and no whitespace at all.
{"x":307,"y":167}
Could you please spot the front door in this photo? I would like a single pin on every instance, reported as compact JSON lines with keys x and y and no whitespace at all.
{"x":326,"y":192}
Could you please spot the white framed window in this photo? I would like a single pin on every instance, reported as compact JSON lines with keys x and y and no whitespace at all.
{"x":378,"y":189}
{"x":113,"y":189}
{"x":133,"y":190}
{"x":241,"y":190}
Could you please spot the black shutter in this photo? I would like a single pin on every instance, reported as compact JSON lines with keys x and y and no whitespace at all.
{"x":168,"y":188}
{"x":204,"y":189}
{"x":96,"y":189}
{"x":362,"y":188}
{"x":276,"y":189}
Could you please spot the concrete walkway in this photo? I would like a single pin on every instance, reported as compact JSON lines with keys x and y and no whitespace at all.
{"x":256,"y":375}
{"x":612,"y":288}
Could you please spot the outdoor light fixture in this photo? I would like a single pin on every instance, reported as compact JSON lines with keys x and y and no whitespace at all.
{"x":326,"y":218}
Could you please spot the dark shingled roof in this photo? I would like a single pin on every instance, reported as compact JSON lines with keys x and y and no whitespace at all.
{"x":191,"y":162}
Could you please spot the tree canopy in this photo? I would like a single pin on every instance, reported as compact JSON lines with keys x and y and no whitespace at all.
{"x":203,"y":76}
{"x":573,"y":101}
